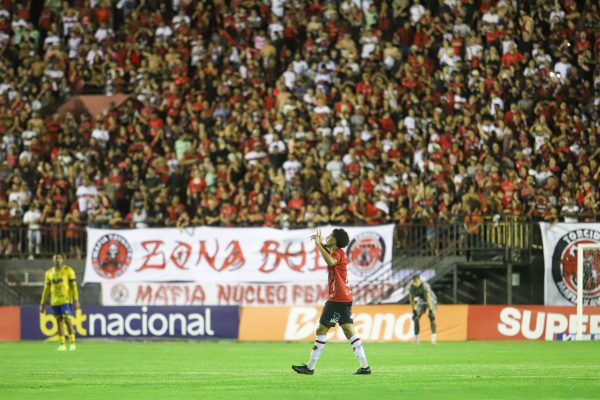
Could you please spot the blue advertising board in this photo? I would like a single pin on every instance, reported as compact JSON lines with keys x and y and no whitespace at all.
{"x":131,"y":322}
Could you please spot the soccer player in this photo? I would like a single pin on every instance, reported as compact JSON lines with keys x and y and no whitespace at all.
{"x":338,"y":309}
{"x":422,"y":298}
{"x":62,"y":288}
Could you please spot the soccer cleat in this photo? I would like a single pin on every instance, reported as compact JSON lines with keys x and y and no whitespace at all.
{"x":62,"y":347}
{"x":363,"y":371}
{"x":73,"y":347}
{"x":303,"y":369}
{"x":417,"y":339}
{"x":433,"y":338}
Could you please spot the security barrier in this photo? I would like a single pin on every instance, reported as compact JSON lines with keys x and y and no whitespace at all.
{"x":508,"y":233}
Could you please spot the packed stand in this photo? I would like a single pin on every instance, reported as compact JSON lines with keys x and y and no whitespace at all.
{"x":296,"y":113}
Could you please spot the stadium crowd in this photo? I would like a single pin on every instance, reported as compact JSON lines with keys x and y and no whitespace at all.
{"x":291,"y":113}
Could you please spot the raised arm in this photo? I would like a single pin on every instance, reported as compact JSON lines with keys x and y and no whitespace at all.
{"x":329,"y":259}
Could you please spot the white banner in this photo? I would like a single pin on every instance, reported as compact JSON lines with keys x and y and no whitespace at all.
{"x":560,"y":260}
{"x":207,"y":254}
{"x":243,"y":294}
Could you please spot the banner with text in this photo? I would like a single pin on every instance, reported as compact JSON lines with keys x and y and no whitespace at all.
{"x":207,"y":254}
{"x":246,"y":294}
{"x":137,"y":322}
{"x":372,"y":323}
{"x":530,"y":322}
{"x":560,"y":261}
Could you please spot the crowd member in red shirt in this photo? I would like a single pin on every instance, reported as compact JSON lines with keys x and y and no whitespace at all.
{"x":197,"y":101}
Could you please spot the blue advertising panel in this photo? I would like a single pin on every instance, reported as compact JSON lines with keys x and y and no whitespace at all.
{"x":192,"y":322}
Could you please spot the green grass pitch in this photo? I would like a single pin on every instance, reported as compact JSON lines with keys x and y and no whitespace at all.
{"x":231,"y":370}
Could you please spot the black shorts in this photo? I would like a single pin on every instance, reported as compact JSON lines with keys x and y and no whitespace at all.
{"x":336,"y":313}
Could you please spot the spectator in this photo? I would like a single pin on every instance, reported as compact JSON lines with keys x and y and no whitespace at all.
{"x":452,"y":98}
{"x":86,"y":196}
{"x":33,"y":220}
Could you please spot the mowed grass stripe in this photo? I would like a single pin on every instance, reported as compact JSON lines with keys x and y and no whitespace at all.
{"x":231,"y":370}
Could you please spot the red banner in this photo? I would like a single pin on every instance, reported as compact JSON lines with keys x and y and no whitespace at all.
{"x":528,"y":322}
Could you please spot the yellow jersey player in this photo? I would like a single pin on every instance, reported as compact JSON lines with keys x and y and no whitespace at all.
{"x":61,"y":285}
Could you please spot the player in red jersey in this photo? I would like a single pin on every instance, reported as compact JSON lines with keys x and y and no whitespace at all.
{"x":338,"y":308}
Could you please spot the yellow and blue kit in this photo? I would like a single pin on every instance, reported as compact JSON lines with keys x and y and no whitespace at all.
{"x":62,"y":295}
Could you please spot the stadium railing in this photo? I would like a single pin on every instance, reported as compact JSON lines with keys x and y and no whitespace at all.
{"x":507,"y":237}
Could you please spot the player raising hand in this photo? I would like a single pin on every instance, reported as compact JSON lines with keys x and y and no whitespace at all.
{"x":338,"y":309}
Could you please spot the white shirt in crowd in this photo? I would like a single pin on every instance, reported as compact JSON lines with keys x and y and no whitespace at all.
{"x":496,"y":104}
{"x":275,"y":31}
{"x":27,"y":137}
{"x":416,"y":12}
{"x":562,"y":69}
{"x":390,"y":178}
{"x":91,"y":55}
{"x":570,"y":209}
{"x":101,"y":135}
{"x":86,"y":197}
{"x":277,"y":7}
{"x":335,"y":168}
{"x":277,"y":146}
{"x":383,"y":206}
{"x":53,"y":72}
{"x":323,"y":78}
{"x":103,"y":33}
{"x":342,"y":128}
{"x":368,"y":45}
{"x":163,"y":32}
{"x":411,"y":125}
{"x":418,"y":159}
{"x":139,"y":219}
{"x":180,"y":19}
{"x":324,"y":109}
{"x":299,"y":67}
{"x":461,"y":30}
{"x":540,"y":58}
{"x":490,"y":18}
{"x":73,"y":44}
{"x":68,"y":23}
{"x":254,"y":156}
{"x":557,"y":15}
{"x":506,"y":45}
{"x":474,"y":50}
{"x":291,"y":168}
{"x":540,"y":176}
{"x":50,"y":40}
{"x":289,"y":78}
{"x":450,"y":59}
{"x":32,"y":218}
{"x":18,"y":197}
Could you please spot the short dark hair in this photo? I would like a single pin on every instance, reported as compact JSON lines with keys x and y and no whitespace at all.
{"x":341,"y":238}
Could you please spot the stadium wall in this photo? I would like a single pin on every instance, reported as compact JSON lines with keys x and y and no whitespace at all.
{"x":391,"y":323}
